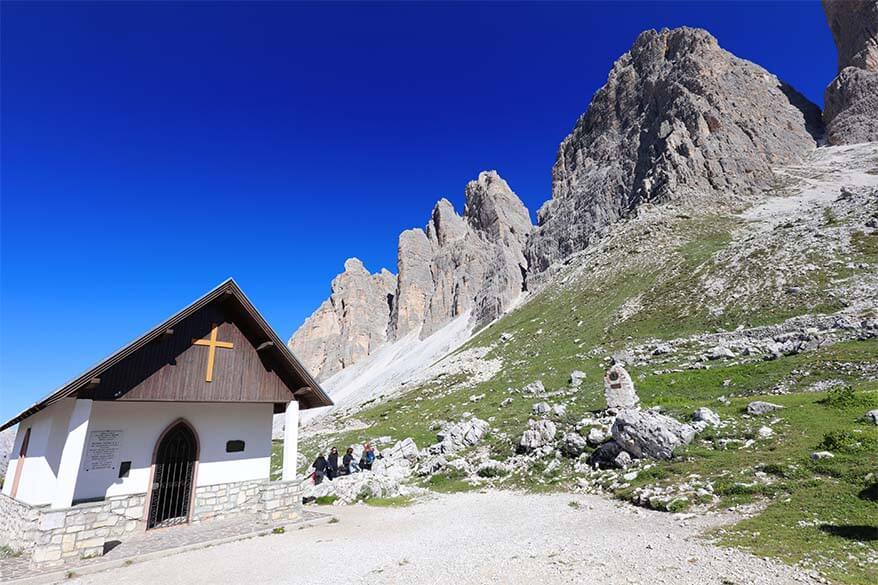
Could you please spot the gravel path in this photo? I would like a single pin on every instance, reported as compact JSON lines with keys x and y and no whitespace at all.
{"x":474,"y":538}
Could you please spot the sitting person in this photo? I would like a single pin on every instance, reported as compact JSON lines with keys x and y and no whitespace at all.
{"x":368,"y":457}
{"x":319,"y":466}
{"x":348,"y":461}
{"x":332,"y":468}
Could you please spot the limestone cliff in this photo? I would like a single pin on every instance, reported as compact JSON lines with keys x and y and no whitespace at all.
{"x":472,"y":263}
{"x":350,"y":324}
{"x":851,"y":99}
{"x":678,"y":115}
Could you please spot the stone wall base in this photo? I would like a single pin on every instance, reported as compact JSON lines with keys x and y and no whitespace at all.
{"x":52,"y":537}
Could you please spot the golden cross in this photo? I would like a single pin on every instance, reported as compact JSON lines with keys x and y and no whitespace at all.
{"x":212,"y":343}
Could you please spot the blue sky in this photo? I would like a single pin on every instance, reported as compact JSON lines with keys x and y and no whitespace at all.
{"x":151,"y":150}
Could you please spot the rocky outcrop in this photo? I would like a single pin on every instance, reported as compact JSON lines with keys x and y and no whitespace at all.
{"x":851,"y":99}
{"x":7,"y":438}
{"x":472,"y":263}
{"x":348,"y":326}
{"x":678,"y":116}
{"x":458,"y":263}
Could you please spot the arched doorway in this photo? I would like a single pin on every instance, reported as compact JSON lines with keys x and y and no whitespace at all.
{"x":174,"y":460}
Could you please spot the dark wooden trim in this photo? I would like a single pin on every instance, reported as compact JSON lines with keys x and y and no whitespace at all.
{"x":19,"y":464}
{"x":266,"y":345}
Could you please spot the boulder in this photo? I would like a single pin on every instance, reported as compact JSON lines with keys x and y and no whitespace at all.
{"x":358,"y":486}
{"x":758,"y":407}
{"x":619,"y":388}
{"x":719,"y":352}
{"x":818,"y":455}
{"x":573,"y":445}
{"x":540,"y":408}
{"x":596,"y":436}
{"x":872,"y":416}
{"x":534,"y":388}
{"x":622,"y":460}
{"x":706,"y":415}
{"x":645,"y":433}
{"x":576,"y":378}
{"x":540,"y":433}
{"x":398,"y":461}
{"x":765,"y":432}
{"x":605,"y":456}
{"x":457,"y":436}
{"x":558,"y":410}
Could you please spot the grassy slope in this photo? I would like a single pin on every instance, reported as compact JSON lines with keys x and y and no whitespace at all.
{"x":577,"y":325}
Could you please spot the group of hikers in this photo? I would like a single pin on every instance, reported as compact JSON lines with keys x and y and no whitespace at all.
{"x":329,"y":467}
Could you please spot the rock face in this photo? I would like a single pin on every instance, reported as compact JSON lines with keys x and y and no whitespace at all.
{"x":472,"y":263}
{"x":678,"y":116}
{"x":7,"y":438}
{"x":851,"y":99}
{"x":350,"y":324}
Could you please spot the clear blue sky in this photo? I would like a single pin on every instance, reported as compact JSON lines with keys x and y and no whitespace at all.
{"x":151,"y":150}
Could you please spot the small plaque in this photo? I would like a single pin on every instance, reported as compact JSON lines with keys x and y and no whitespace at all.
{"x":234,"y":446}
{"x":103,"y":450}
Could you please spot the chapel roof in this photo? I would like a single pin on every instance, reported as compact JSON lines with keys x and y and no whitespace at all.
{"x":301,"y":384}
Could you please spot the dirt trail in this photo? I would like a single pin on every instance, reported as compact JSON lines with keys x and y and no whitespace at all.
{"x":475,"y":538}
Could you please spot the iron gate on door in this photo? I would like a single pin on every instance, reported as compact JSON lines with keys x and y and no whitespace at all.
{"x":172,"y":479}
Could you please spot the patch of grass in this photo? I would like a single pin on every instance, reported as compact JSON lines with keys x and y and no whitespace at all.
{"x":574,"y":504}
{"x":278,"y":530}
{"x":325,"y":500}
{"x":391,"y":502}
{"x":845,"y":441}
{"x":7,"y":552}
{"x":334,"y":520}
{"x":845,"y":397}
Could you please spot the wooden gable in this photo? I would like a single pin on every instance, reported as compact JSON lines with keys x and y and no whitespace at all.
{"x":173,"y":367}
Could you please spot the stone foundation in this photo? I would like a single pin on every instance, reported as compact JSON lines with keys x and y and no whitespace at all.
{"x":52,"y":537}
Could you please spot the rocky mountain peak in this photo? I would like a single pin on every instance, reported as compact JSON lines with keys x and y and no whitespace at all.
{"x":350,"y":324}
{"x":472,"y":263}
{"x":851,"y":99}
{"x":495,"y":210}
{"x":445,"y":224}
{"x":678,"y":116}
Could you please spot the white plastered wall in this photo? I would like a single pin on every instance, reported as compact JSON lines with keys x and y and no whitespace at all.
{"x":40,"y":472}
{"x":142,"y":423}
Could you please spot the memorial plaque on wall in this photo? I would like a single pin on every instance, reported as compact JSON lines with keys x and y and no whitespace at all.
{"x":102,"y":451}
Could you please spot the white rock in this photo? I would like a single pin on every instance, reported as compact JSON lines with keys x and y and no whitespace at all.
{"x":706,"y":415}
{"x":619,"y":388}
{"x":759,"y":407}
{"x":541,"y":408}
{"x":650,"y":434}
{"x":534,"y":388}
{"x":596,"y":436}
